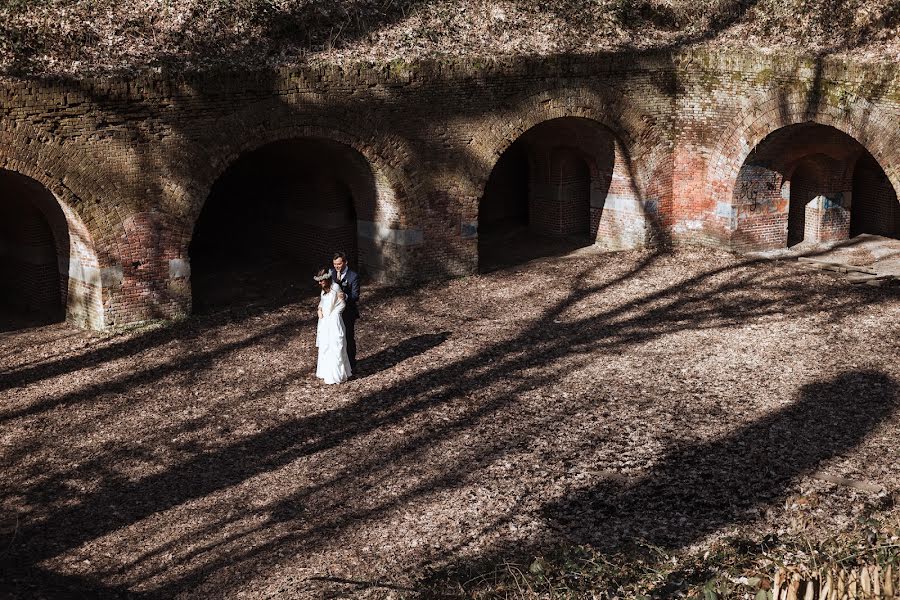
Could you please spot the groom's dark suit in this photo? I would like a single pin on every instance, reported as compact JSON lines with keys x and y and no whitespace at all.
{"x":349,"y":282}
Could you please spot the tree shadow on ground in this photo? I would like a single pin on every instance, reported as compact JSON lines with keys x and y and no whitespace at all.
{"x":698,"y":488}
{"x":299,"y":29}
{"x":502,"y":250}
{"x":408,"y":348}
{"x":31,"y":582}
{"x":689,"y":494}
{"x":771,"y":451}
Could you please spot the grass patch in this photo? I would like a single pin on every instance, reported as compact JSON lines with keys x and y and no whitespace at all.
{"x":734,"y":567}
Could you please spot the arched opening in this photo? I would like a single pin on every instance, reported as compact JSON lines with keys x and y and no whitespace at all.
{"x":546,"y":193}
{"x":875,"y":207}
{"x":807,"y":184}
{"x":275,"y":215}
{"x":34,"y":254}
{"x":504,"y":207}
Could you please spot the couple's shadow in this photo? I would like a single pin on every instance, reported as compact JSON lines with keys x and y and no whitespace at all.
{"x":408,"y":348}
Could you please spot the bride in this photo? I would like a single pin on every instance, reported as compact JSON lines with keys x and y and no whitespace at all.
{"x":334,"y":364}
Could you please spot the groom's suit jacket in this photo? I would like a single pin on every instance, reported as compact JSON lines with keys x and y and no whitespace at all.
{"x":350,"y":286}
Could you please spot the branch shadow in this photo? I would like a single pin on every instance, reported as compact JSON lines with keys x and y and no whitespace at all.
{"x":685,"y":305}
{"x":26,"y":582}
{"x":688,"y":494}
{"x":408,"y":348}
{"x":698,"y":488}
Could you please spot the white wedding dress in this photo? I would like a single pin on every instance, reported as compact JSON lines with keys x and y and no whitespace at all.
{"x":333,"y":365}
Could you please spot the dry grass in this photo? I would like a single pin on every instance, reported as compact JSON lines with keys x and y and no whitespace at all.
{"x":103,"y":36}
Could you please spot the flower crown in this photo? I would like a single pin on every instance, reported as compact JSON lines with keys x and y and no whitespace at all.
{"x":322,"y":277}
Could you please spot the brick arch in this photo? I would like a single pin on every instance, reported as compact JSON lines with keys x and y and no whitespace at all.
{"x":863,"y":121}
{"x":389,"y":156}
{"x":636,"y":132}
{"x":392,"y":213}
{"x":641,"y":154}
{"x":766,"y":115}
{"x":79,"y":263}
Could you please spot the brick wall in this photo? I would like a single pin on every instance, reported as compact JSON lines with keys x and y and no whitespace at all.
{"x":570,"y":178}
{"x":668,"y":140}
{"x":770,"y":104}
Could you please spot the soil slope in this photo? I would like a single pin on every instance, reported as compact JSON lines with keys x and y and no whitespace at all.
{"x":89,"y":37}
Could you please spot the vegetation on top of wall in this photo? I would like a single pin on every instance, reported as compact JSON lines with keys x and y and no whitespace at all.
{"x":88,"y":37}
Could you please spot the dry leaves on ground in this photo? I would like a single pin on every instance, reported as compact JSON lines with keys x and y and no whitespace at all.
{"x":667,"y":398}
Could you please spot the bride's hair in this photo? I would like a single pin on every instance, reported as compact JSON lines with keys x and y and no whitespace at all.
{"x":322,"y":274}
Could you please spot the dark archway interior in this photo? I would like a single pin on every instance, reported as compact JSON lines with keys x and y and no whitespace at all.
{"x":812,"y":161}
{"x":504,"y":207}
{"x":272,"y":218}
{"x":570,"y":177}
{"x":808,"y":180}
{"x":875,"y":206}
{"x":34,"y":242}
{"x":537,"y":201}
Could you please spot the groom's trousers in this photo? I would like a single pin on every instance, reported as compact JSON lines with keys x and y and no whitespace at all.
{"x":349,"y":326}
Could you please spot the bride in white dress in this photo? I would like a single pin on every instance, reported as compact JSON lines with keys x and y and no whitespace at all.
{"x":334,"y":364}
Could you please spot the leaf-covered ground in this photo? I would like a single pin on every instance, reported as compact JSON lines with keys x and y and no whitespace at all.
{"x":89,"y":37}
{"x":601,"y":400}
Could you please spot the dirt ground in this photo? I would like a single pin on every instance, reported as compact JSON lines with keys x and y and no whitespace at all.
{"x":591,"y":399}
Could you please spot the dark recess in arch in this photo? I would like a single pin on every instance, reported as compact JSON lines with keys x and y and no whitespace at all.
{"x":34,"y":243}
{"x":875,"y":206}
{"x":275,"y":215}
{"x":537,"y":201}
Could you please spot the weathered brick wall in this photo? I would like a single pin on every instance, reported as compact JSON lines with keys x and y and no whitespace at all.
{"x":570,"y":184}
{"x":732,"y":102}
{"x":665,"y":137}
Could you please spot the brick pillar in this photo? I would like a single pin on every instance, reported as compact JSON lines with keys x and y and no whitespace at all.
{"x":819,"y":201}
{"x":619,"y":216}
{"x":146,"y":277}
{"x":827,"y":218}
{"x":759,"y":214}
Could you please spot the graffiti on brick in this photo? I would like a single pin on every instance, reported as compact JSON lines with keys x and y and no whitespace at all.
{"x":757,"y":190}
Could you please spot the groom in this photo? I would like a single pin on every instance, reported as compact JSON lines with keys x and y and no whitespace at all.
{"x":349,"y":282}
